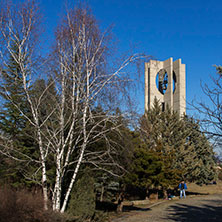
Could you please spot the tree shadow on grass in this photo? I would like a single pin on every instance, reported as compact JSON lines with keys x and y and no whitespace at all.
{"x":134,"y":208}
{"x":204,"y":213}
{"x":195,"y":193}
{"x":112,"y":207}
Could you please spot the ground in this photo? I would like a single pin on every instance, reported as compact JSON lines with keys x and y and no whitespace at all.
{"x":202,"y":204}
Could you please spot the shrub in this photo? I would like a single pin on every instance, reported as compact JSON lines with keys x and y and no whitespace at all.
{"x":24,"y":206}
{"x":82,"y":201}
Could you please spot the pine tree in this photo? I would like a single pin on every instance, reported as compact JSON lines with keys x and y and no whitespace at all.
{"x":163,"y":132}
{"x":82,"y":201}
{"x":13,"y":125}
{"x":184,"y":149}
{"x":12,"y":121}
{"x":146,"y":169}
{"x":202,"y":170}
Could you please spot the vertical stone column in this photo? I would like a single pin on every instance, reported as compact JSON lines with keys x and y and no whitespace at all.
{"x":151,"y":91}
{"x":147,"y":88}
{"x":168,"y":96}
{"x":179,"y":100}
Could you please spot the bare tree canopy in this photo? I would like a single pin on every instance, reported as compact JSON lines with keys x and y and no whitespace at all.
{"x":210,"y":110}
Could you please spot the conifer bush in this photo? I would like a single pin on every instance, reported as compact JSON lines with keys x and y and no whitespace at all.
{"x":83,"y":199}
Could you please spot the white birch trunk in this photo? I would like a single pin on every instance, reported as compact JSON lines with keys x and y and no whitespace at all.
{"x":73,"y":180}
{"x":78,"y":163}
{"x":44,"y":175}
{"x":57,"y":188}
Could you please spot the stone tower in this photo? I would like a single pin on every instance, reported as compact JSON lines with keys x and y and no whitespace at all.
{"x":166,"y":80}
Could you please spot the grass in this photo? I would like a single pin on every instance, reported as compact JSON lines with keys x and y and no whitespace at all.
{"x":204,"y":189}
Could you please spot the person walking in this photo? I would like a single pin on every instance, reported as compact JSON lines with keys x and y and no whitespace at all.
{"x":182,"y":187}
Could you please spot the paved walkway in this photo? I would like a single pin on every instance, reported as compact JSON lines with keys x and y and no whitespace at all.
{"x":192,"y":209}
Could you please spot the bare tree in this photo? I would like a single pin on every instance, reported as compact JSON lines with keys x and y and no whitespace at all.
{"x":210,"y":110}
{"x":18,"y":25}
{"x":79,"y":77}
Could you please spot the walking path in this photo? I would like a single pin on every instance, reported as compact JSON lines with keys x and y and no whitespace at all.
{"x":192,"y":209}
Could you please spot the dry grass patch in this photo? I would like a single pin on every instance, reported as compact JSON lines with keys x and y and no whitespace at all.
{"x":24,"y":206}
{"x":205,"y":189}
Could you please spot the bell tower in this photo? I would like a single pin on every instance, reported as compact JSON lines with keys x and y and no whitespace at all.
{"x":166,"y":80}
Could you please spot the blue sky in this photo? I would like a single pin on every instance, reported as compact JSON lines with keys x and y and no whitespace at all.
{"x":190,"y":30}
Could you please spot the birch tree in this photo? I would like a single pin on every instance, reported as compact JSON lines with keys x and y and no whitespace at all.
{"x":18,"y":25}
{"x":79,"y":77}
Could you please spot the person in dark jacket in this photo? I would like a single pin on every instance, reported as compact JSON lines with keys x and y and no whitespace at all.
{"x":182,"y":187}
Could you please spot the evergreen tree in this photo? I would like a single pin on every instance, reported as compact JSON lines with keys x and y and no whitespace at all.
{"x":145,"y":172}
{"x":82,"y":201}
{"x":184,"y":149}
{"x":165,"y":133}
{"x":202,"y":169}
{"x":13,"y":125}
{"x":165,"y":128}
{"x":116,"y":151}
{"x":12,"y":121}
